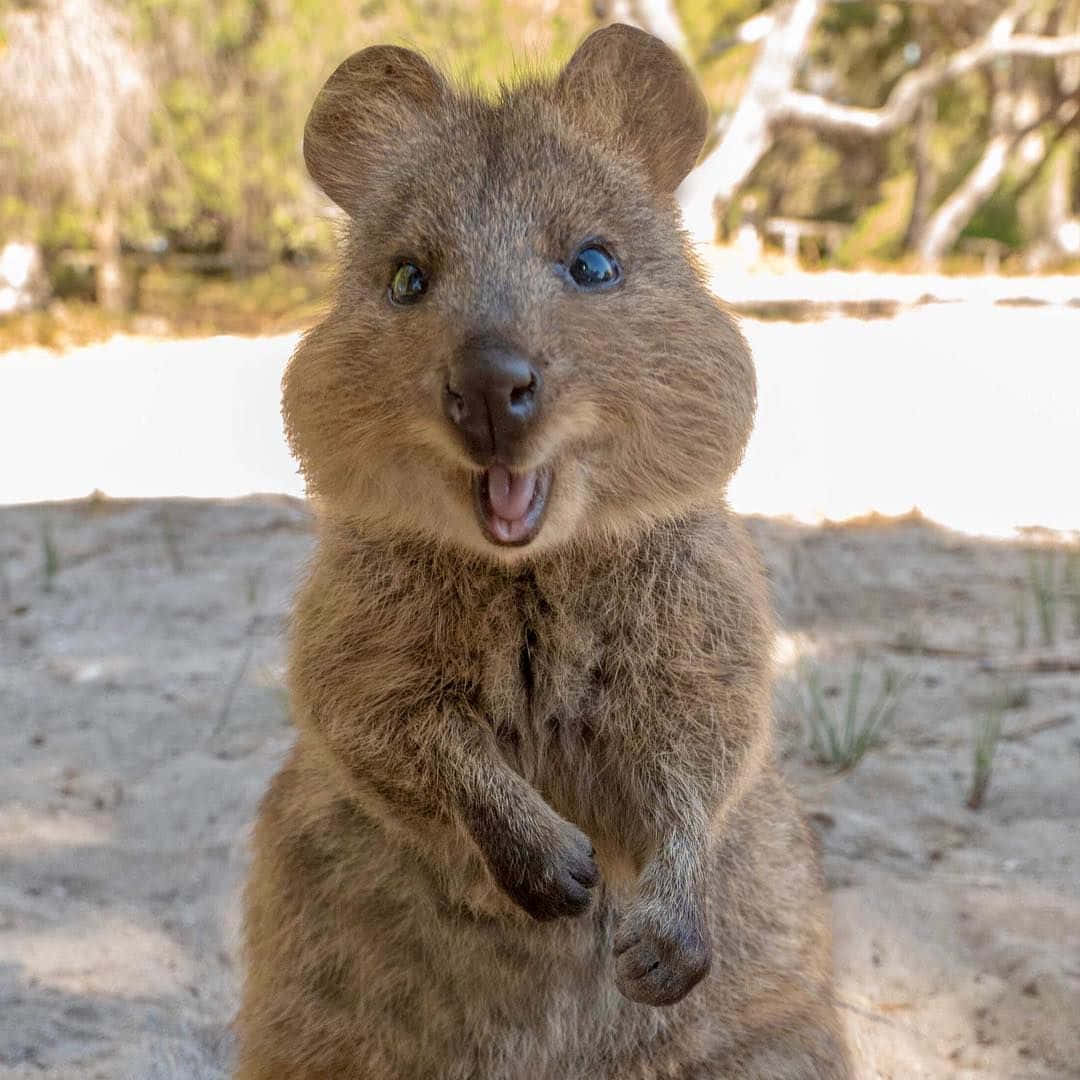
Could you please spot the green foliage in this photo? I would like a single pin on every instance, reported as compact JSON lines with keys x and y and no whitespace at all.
{"x":720,"y":62}
{"x":50,"y":557}
{"x":1052,"y":583}
{"x":984,"y":747}
{"x":17,"y":216}
{"x":67,"y":227}
{"x":997,"y":219}
{"x":1034,"y":194}
{"x":879,"y":231}
{"x":220,"y":170}
{"x":842,"y":736}
{"x":1043,"y":588}
{"x":863,"y":44}
{"x":237,"y":78}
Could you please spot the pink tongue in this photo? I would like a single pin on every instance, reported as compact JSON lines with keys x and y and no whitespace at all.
{"x":510,"y":494}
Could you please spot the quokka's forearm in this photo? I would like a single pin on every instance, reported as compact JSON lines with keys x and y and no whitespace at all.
{"x":432,"y":764}
{"x":680,"y":794}
{"x":446,"y":769}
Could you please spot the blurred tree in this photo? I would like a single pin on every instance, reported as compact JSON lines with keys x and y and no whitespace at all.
{"x":75,"y":106}
{"x":970,"y":38}
{"x":177,"y":123}
{"x":236,"y":78}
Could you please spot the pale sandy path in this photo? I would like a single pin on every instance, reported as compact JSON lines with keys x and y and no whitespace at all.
{"x":969,"y":411}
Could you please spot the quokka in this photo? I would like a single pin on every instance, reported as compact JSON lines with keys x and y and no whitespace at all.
{"x":531,"y":828}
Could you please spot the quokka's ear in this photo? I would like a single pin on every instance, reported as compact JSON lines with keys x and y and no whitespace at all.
{"x":372,"y":100}
{"x":628,"y":87}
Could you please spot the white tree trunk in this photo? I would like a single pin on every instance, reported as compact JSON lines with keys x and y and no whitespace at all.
{"x":661,"y":19}
{"x":1007,"y":132}
{"x":945,"y":227}
{"x":749,"y":135}
{"x":771,"y":100}
{"x":24,"y":284}
{"x":109,"y":276}
{"x":924,"y":176}
{"x":1058,"y":197}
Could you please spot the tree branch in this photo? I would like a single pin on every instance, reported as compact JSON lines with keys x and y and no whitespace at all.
{"x":950,"y":219}
{"x":1063,"y":131}
{"x":811,"y":110}
{"x":770,"y":101}
{"x":748,"y":136}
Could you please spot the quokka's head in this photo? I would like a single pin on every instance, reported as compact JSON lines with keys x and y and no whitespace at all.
{"x":521,"y":351}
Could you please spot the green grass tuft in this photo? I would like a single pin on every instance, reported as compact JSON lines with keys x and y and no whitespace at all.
{"x":984,"y":747}
{"x":1042,"y":586}
{"x":842,"y":736}
{"x":1072,"y":587}
{"x":171,"y":536}
{"x":50,"y":557}
{"x":1020,"y":619}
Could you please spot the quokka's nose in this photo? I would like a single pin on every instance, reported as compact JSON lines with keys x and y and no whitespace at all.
{"x":492,"y":395}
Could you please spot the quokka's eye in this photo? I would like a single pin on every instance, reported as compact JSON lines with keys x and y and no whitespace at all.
{"x":593,"y":267}
{"x":408,"y":284}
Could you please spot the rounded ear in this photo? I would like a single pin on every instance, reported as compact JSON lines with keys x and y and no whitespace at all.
{"x":627,"y":85}
{"x":369,"y":101}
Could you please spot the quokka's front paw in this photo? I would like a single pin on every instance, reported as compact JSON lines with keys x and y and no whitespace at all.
{"x":658,"y":960}
{"x":550,"y":876}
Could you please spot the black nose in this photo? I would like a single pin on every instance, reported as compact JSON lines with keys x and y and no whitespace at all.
{"x":492,"y":395}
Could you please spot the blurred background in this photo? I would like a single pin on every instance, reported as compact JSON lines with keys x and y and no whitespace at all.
{"x":149,"y":148}
{"x":889,"y":199}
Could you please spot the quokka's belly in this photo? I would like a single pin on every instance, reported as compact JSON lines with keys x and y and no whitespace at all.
{"x":398,"y":956}
{"x":366,"y":949}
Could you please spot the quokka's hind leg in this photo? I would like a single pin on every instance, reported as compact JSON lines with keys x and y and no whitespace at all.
{"x":804,"y":1046}
{"x":776,"y":1010}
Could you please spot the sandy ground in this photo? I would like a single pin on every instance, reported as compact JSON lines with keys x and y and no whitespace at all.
{"x":140,"y":674}
{"x":969,"y":411}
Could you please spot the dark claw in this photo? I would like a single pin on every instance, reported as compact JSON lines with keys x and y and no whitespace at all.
{"x":659,"y":964}
{"x":552,"y":883}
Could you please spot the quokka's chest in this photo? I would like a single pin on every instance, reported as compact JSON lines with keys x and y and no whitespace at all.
{"x":545,"y":688}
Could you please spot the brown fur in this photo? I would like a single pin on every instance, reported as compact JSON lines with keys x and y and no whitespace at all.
{"x":532,"y":796}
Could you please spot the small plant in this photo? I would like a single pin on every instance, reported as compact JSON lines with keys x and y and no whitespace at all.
{"x":987,"y":737}
{"x":1020,"y":620}
{"x":1041,"y":583}
{"x":252,"y":584}
{"x":1050,"y":590}
{"x":171,"y":537}
{"x":842,"y":737}
{"x":50,"y":557}
{"x":1072,"y":587}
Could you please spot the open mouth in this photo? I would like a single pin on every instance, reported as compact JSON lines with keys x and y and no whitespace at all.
{"x":510,"y":505}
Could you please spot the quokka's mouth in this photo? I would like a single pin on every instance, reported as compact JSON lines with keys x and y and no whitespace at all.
{"x":510,"y":505}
